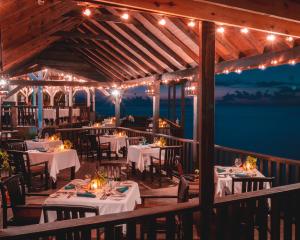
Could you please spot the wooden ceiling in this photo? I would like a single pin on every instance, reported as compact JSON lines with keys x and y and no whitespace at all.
{"x":104,"y":47}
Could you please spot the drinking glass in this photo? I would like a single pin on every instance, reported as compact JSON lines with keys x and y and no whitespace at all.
{"x":238,"y":162}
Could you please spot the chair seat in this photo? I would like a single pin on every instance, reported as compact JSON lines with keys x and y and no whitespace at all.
{"x":37,"y":169}
{"x":27,"y":216}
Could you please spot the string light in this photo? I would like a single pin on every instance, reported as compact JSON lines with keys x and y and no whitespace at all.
{"x":292,"y":62}
{"x":244,"y":30}
{"x":87,"y":12}
{"x":191,"y":23}
{"x":271,"y":37}
{"x":162,"y":22}
{"x":220,"y":29}
{"x":274,"y":62}
{"x":125,"y":16}
{"x":226,"y":71}
{"x":289,"y":39}
{"x":262,"y":67}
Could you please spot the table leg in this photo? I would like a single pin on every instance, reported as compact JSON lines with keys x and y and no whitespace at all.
{"x":53,"y":184}
{"x":133,"y":171}
{"x":72,"y":173}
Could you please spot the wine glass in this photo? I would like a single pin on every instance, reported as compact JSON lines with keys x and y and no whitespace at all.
{"x":238,"y":162}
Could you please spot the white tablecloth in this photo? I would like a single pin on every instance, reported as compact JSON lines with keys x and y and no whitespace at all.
{"x":107,"y":206}
{"x":116,"y":142}
{"x":141,"y":155}
{"x":42,"y":143}
{"x":56,"y":160}
{"x":224,"y":183}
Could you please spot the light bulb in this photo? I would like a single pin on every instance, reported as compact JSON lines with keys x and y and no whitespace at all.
{"x":271,"y":37}
{"x":191,"y":23}
{"x":87,"y":12}
{"x":162,"y":22}
{"x":125,"y":16}
{"x":244,"y":30}
{"x":220,"y":30}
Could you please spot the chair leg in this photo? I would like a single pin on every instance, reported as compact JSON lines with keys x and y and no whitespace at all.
{"x":151,"y":173}
{"x":159,"y":175}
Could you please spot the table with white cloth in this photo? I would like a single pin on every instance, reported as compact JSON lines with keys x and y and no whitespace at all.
{"x":43,"y":143}
{"x":141,"y":155}
{"x":116,"y":142}
{"x":57,"y":160}
{"x":223,"y":179}
{"x":113,"y":203}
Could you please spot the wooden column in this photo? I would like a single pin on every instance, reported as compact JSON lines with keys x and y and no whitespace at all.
{"x":206,"y":102}
{"x":40,"y":101}
{"x":70,"y":97}
{"x":174,"y":103}
{"x":156,"y":106}
{"x":118,"y":109}
{"x":182,"y":107}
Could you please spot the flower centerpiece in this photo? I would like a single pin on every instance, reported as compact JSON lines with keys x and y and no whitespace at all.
{"x":161,"y":142}
{"x":67,"y":144}
{"x":55,"y":137}
{"x":98,"y":181}
{"x":5,"y":167}
{"x":250,"y":163}
{"x":162,"y":123}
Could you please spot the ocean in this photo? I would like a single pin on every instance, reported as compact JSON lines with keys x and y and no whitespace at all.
{"x":269,"y":129}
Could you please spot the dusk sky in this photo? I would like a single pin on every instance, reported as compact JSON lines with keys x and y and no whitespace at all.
{"x":271,"y":79}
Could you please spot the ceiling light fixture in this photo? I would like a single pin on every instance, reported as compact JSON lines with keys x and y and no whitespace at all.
{"x":191,"y":23}
{"x":244,"y":30}
{"x":162,"y":21}
{"x":271,"y":37}
{"x":87,"y":12}
{"x":125,"y":16}
{"x":220,"y":29}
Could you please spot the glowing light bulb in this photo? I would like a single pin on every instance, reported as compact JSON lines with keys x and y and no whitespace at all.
{"x":271,"y":37}
{"x":191,"y":23}
{"x":226,"y":71}
{"x":125,"y":16}
{"x":162,"y":22}
{"x":87,"y":12}
{"x":274,"y":62}
{"x":244,"y":30}
{"x":289,"y":39}
{"x":238,"y":71}
{"x":115,"y":92}
{"x":262,"y":67}
{"x":220,"y":29}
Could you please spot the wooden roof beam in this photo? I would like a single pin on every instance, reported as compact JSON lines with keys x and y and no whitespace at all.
{"x":63,"y":34}
{"x":273,"y":16}
{"x":58,"y":83}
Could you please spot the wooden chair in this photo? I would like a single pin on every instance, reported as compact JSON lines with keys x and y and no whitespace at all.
{"x":20,"y":161}
{"x":66,"y":212}
{"x":133,"y":141}
{"x":104,"y":148}
{"x":18,"y":146}
{"x":115,"y":168}
{"x":161,"y":223}
{"x":166,"y":161}
{"x":14,"y":197}
{"x":250,"y":184}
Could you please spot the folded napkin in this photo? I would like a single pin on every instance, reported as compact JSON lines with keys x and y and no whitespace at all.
{"x":70,"y":186}
{"x":122,"y":189}
{"x":41,"y":149}
{"x":241,"y":175}
{"x":220,"y":170}
{"x":86,"y":194}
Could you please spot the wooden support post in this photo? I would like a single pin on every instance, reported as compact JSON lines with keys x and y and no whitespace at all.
{"x":118,"y":109}
{"x":156,"y":101}
{"x":40,"y":102}
{"x":182,"y":114}
{"x":169,"y":101}
{"x":57,"y":116}
{"x":206,"y":101}
{"x":174,"y":103}
{"x":70,"y":114}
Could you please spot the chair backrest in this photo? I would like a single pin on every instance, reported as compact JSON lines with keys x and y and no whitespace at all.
{"x":19,"y":146}
{"x":170,"y":155}
{"x":133,"y":141}
{"x":111,"y":169}
{"x":64,"y":212}
{"x":250,"y":184}
{"x":19,"y":160}
{"x":183,"y":190}
{"x":13,"y":194}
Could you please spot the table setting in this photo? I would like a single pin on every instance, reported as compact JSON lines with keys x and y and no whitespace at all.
{"x":59,"y":158}
{"x":224,"y":174}
{"x":117,"y":141}
{"x":108,"y":195}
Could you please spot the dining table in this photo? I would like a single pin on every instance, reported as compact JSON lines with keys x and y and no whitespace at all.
{"x":141,"y":155}
{"x":57,"y":160}
{"x":108,"y":199}
{"x":42,"y":144}
{"x":117,"y":142}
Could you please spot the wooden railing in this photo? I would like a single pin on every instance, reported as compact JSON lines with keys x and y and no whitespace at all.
{"x":285,"y":171}
{"x":26,"y":115}
{"x":267,"y":214}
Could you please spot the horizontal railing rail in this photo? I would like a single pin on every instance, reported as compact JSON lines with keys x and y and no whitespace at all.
{"x":251,"y":214}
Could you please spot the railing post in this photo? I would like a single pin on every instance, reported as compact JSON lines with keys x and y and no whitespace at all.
{"x":156,"y":99}
{"x":57,"y":115}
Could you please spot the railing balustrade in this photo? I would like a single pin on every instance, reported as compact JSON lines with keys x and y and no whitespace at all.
{"x":253,"y":215}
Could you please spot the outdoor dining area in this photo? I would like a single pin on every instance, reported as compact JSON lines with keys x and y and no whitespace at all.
{"x":70,"y":174}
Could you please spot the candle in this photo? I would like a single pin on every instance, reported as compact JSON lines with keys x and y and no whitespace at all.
{"x":62,"y":147}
